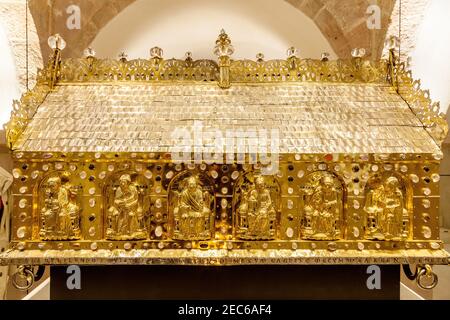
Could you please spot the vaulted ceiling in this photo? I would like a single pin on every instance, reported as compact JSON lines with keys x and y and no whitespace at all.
{"x":343,"y":23}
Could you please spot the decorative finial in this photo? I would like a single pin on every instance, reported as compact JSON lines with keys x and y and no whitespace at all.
{"x":358,"y":52}
{"x":123,"y":56}
{"x":325,"y":56}
{"x":260,"y":57}
{"x":188,"y":56}
{"x":223,"y":45}
{"x":291,"y":52}
{"x":89,"y":52}
{"x":392,"y":43}
{"x":224,"y":50}
{"x":409,"y":63}
{"x":156,"y":52}
{"x":56,"y":42}
{"x":188,"y":59}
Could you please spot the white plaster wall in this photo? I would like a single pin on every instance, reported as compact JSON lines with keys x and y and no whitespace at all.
{"x":412,"y":14}
{"x":268,"y":26}
{"x":9,"y":82}
{"x":430,"y":60}
{"x":425,"y":44}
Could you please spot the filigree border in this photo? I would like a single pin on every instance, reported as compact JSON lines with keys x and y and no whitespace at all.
{"x":419,"y":101}
{"x":155,"y":69}
{"x":24,"y":109}
{"x":309,"y":70}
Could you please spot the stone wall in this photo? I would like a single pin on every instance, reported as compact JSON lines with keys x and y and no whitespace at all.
{"x":13,"y":17}
{"x":343,"y":23}
{"x":51,"y":17}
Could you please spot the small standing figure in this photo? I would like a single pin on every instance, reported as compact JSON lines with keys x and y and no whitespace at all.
{"x":322,"y":209}
{"x":125,"y":215}
{"x":74,"y":211}
{"x":387,"y":217}
{"x":257,"y":212}
{"x":60,"y":215}
{"x":192,"y":211}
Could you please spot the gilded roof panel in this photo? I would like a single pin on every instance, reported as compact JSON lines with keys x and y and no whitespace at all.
{"x":309,"y":118}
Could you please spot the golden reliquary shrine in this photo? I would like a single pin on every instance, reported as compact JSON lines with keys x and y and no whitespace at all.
{"x":340,"y":163}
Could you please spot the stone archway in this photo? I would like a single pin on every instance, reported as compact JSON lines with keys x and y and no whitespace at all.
{"x":95,"y":14}
{"x":342,"y":23}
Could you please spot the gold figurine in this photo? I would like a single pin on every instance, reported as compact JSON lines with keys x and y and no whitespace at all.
{"x":125,"y":215}
{"x":256,"y":214}
{"x":192,"y":210}
{"x":60,"y":215}
{"x":387,"y":216}
{"x":323,"y":208}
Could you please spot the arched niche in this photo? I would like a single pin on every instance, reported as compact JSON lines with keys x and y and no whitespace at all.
{"x":256,"y":207}
{"x":322,"y":198}
{"x":191,"y":206}
{"x":388,"y":207}
{"x":59,"y":207}
{"x":126,"y":206}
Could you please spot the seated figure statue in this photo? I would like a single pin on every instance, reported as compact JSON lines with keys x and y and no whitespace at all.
{"x":257,"y":212}
{"x":125,"y":214}
{"x":192,"y":211}
{"x":60,"y":215}
{"x":322,"y":211}
{"x":386,"y":212}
